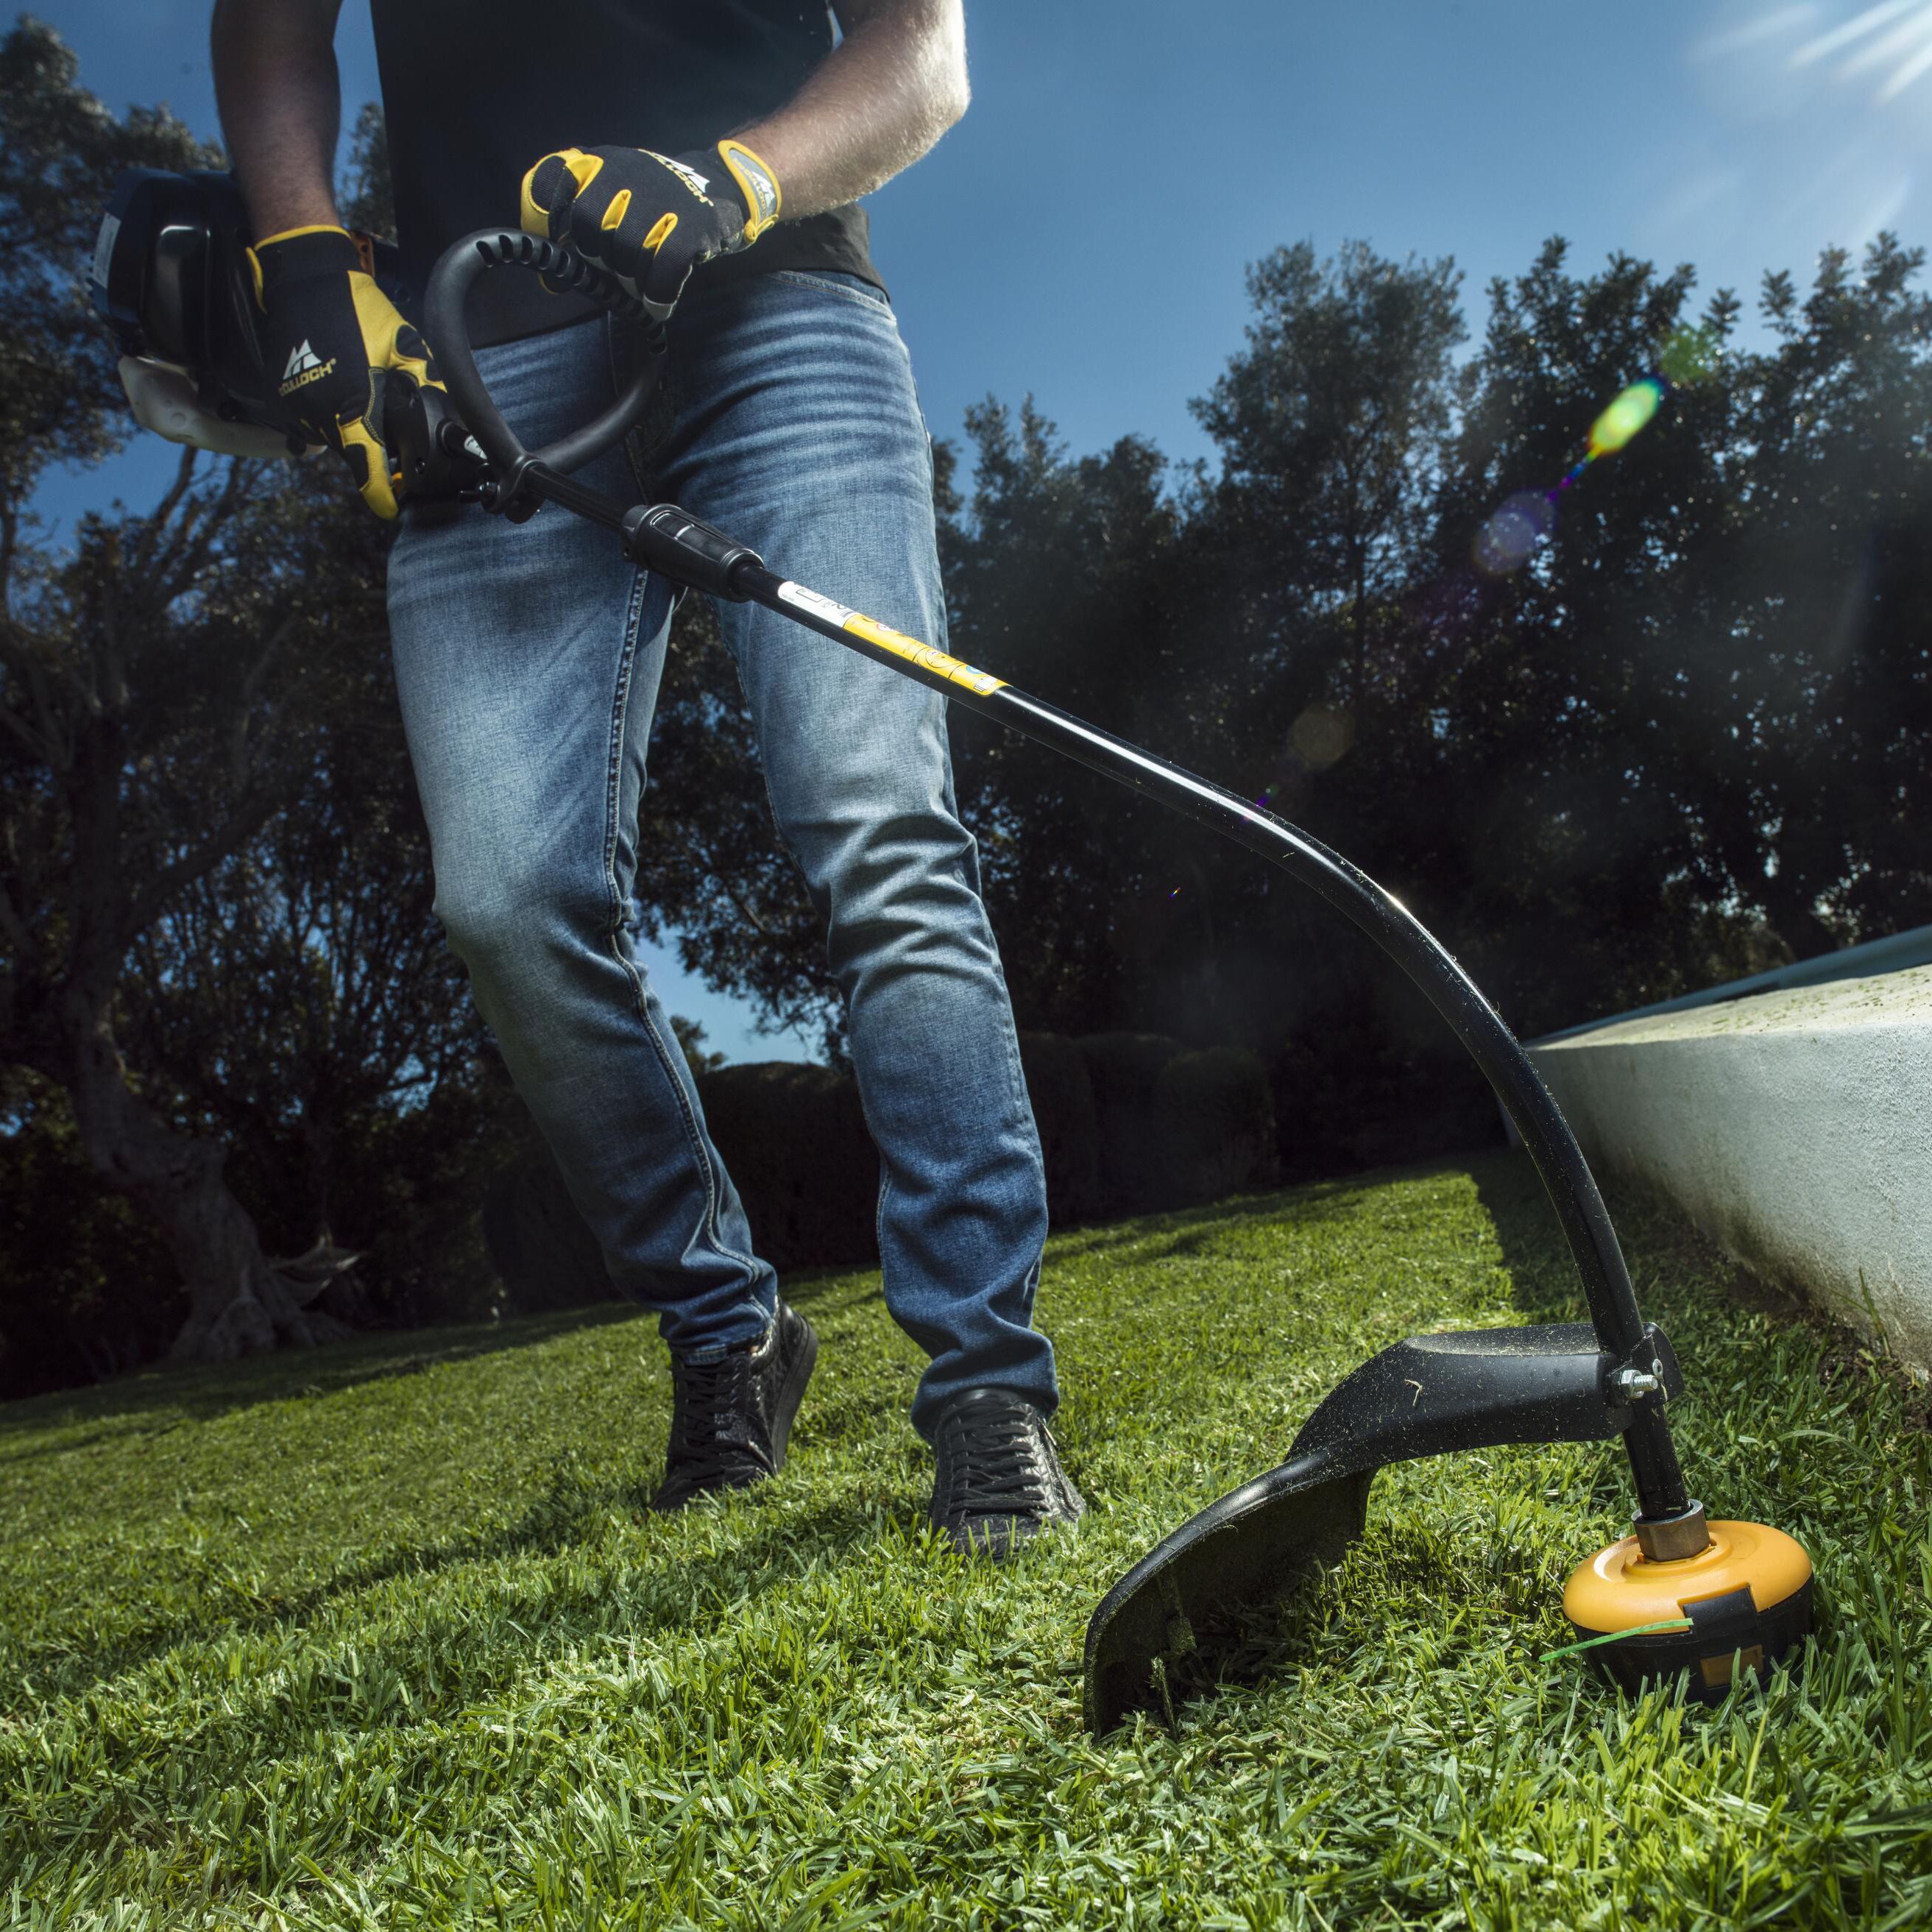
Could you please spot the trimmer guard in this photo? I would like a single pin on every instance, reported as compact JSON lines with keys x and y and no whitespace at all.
{"x":1425,"y":1397}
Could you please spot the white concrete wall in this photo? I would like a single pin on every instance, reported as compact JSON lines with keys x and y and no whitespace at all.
{"x":1794,"y":1127}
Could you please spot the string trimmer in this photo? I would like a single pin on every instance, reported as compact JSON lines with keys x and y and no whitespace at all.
{"x":1681,"y":1597}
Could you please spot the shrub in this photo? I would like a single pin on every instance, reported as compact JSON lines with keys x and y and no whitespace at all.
{"x":1062,"y":1093}
{"x":1123,"y":1068}
{"x":1214,"y":1125}
{"x":541,"y":1247}
{"x":793,"y":1138}
{"x":1178,"y":1127}
{"x":1127,"y":1121}
{"x":90,"y":1289}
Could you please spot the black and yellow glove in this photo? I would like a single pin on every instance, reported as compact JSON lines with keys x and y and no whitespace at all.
{"x":648,"y":218}
{"x":334,"y":344}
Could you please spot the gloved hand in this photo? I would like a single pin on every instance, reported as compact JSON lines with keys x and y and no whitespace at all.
{"x":649,"y":218}
{"x":334,"y":344}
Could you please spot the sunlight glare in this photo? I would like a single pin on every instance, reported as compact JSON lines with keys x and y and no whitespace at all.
{"x":1906,"y":49}
{"x":1873,"y":17}
{"x":1917,"y":65}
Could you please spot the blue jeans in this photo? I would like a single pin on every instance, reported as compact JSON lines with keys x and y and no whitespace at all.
{"x":528,"y":658}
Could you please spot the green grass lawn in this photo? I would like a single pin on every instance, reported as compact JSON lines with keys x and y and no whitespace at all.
{"x":384,"y":1635}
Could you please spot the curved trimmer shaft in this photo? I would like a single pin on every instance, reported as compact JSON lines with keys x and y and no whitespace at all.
{"x":678,"y":546}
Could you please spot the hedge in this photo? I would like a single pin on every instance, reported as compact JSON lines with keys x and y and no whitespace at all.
{"x":540,"y":1246}
{"x":1128,"y":1123}
{"x":1177,"y":1127}
{"x":1062,"y":1093}
{"x":793,"y":1139}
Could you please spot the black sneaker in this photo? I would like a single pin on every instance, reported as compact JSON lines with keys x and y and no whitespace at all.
{"x":1000,"y":1483}
{"x":733,"y":1411}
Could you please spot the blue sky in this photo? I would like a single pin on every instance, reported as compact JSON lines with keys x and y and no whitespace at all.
{"x":1081,"y":234}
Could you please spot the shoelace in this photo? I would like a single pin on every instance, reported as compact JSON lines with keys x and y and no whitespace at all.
{"x":709,"y":1394}
{"x":999,"y":1470}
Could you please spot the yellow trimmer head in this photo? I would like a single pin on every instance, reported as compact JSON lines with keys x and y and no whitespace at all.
{"x":1737,"y":1606}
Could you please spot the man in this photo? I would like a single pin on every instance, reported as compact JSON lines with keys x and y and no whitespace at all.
{"x":709,"y":153}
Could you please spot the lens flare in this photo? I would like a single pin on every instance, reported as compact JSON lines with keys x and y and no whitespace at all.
{"x":1510,"y":536}
{"x":1504,"y":543}
{"x":1624,"y":417}
{"x":1322,"y":736}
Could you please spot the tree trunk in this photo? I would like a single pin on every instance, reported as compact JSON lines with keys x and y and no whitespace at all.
{"x":318,"y":1139}
{"x":238,"y":1304}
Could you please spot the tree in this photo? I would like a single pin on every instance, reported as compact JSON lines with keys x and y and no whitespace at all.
{"x":1684,"y":738}
{"x":1696,"y":720}
{"x":60,"y":399}
{"x":1332,"y":423}
{"x":301,"y":990}
{"x":152,"y":714}
{"x":1572,"y":708}
{"x":151,"y":705}
{"x":1827,"y":577}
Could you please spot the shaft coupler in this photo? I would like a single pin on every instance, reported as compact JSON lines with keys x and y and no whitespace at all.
{"x":672,"y":542}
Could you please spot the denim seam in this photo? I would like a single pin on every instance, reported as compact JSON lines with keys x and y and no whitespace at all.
{"x":614,"y":794}
{"x":803,"y":279}
{"x":1017,"y":1096}
{"x":633,"y":618}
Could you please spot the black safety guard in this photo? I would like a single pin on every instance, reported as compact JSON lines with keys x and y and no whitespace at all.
{"x":1424,"y":1396}
{"x":1429,"y":1396}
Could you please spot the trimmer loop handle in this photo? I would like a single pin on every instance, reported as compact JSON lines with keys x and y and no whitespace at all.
{"x":446,"y":324}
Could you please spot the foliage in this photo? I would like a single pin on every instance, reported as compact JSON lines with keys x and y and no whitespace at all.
{"x":1063,"y":581}
{"x":1331,"y":424}
{"x":387,"y":1636}
{"x":60,"y":399}
{"x":215,"y":880}
{"x":303,"y":987}
{"x":690,"y":1036}
{"x":90,"y":1289}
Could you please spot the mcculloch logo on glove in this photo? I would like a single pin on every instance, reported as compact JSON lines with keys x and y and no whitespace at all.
{"x":304,"y":367}
{"x":698,"y":183}
{"x":648,"y":218}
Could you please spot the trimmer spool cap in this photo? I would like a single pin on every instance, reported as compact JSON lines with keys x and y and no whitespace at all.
{"x":1747,"y":1596}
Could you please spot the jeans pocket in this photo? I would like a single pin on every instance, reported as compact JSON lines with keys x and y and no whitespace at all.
{"x":835,"y":282}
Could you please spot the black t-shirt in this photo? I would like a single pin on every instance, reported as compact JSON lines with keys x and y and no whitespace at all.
{"x":474,"y":92}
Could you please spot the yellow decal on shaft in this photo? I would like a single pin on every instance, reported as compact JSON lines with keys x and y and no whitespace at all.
{"x":928,"y":657}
